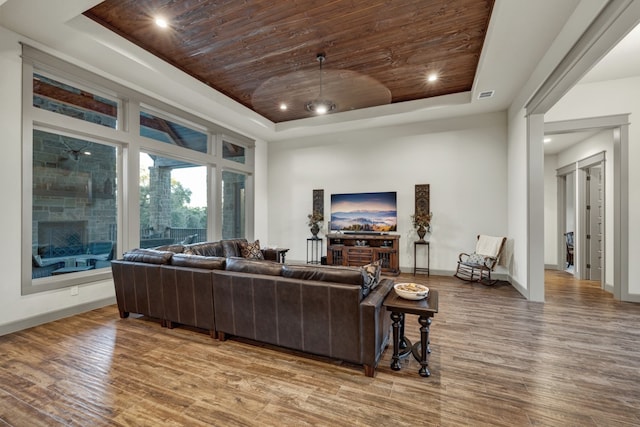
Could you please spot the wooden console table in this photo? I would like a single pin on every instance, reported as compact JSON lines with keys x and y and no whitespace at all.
{"x":356,"y":250}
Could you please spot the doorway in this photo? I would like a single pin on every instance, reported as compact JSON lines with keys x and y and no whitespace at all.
{"x":612,"y":246}
{"x":567,"y":228}
{"x":581,"y":217}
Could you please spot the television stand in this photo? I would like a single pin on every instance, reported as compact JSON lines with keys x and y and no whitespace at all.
{"x":356,"y":250}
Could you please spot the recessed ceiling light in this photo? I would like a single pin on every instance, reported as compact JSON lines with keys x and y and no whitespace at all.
{"x":283,"y":106}
{"x":547,"y":140}
{"x":432,"y":77}
{"x":161,"y":22}
{"x":322,"y":109}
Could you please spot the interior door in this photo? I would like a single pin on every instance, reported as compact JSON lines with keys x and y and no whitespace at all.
{"x":594,"y":221}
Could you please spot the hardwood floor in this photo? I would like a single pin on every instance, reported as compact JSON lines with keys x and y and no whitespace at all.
{"x":496,"y":360}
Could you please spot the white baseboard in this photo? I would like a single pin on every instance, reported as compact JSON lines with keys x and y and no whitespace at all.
{"x":40,"y":319}
{"x":518,"y":287}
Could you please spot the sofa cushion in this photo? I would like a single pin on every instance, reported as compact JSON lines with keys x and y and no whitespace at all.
{"x":475,"y":258}
{"x":347,"y":275}
{"x":198,"y":261}
{"x":205,"y":249}
{"x":244,"y":265}
{"x":231,"y":247}
{"x":251,"y":250}
{"x":370,"y":276}
{"x":148,"y":256}
{"x":176,"y":249}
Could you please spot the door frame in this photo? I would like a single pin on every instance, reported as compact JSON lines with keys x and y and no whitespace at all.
{"x":620,"y":127}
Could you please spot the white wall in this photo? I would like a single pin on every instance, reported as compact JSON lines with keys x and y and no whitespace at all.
{"x":517,"y":197}
{"x":570,"y":197}
{"x":550,"y":211}
{"x":602,"y":99}
{"x":13,"y":306}
{"x":261,"y":202}
{"x":464,"y":160}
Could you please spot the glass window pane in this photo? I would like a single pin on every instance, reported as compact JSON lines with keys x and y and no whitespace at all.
{"x":233,"y":152}
{"x":52,"y":95}
{"x":233,"y":207}
{"x":74,"y":205}
{"x":173,"y":201}
{"x":169,"y":132}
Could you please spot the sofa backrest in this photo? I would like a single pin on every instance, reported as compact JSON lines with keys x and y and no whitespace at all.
{"x":352,"y":276}
{"x":244,"y":265}
{"x":205,"y":249}
{"x":223,"y":248}
{"x":198,"y":261}
{"x":232,"y":247}
{"x":148,"y":256}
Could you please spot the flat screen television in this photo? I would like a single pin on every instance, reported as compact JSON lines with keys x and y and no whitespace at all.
{"x":364,"y":212}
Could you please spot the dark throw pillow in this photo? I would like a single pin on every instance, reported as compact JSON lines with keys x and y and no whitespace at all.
{"x":370,"y":277}
{"x":251,"y":250}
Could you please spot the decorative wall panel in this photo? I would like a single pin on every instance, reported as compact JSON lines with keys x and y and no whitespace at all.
{"x":318,"y":201}
{"x":422,"y":199}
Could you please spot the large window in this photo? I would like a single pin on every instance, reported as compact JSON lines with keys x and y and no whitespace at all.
{"x":173,"y":201}
{"x":233,"y":205}
{"x":170,"y":132}
{"x":81,"y":205}
{"x":74,"y":208}
{"x":52,"y":95}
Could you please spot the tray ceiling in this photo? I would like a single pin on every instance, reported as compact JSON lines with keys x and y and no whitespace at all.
{"x":262,"y":53}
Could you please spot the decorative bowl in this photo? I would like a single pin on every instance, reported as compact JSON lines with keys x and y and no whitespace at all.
{"x":413,"y":291}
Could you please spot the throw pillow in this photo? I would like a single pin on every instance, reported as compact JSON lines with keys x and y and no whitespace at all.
{"x":476,"y":259}
{"x":251,"y":250}
{"x":370,"y":277}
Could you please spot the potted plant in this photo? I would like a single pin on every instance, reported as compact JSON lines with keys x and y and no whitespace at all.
{"x":422,"y":223}
{"x":315,"y":218}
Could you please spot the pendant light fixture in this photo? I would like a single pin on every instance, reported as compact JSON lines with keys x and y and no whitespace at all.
{"x":320,"y":105}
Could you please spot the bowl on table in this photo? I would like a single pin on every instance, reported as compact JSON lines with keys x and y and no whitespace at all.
{"x":413,"y":291}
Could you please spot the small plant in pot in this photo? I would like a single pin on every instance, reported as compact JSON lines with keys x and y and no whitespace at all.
{"x":315,"y":219}
{"x":422,"y":223}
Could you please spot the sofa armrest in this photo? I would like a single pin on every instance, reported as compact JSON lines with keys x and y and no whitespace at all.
{"x":376,"y":323}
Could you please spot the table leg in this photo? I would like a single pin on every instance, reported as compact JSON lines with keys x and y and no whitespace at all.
{"x":395,"y":359}
{"x":404,"y":342}
{"x":424,"y":345}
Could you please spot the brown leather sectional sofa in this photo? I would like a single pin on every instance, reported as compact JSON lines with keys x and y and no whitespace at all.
{"x":320,"y":310}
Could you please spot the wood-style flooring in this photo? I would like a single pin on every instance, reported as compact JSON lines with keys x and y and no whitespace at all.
{"x":496,"y":360}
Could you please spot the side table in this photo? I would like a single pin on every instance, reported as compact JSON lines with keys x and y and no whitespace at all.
{"x":275,"y":254}
{"x":315,"y":246}
{"x":425,"y":309}
{"x":417,"y":269}
{"x":281,"y":253}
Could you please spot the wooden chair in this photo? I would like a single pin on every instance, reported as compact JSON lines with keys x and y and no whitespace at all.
{"x":477,"y":267}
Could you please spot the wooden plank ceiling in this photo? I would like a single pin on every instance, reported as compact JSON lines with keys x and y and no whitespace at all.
{"x":262,"y":53}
